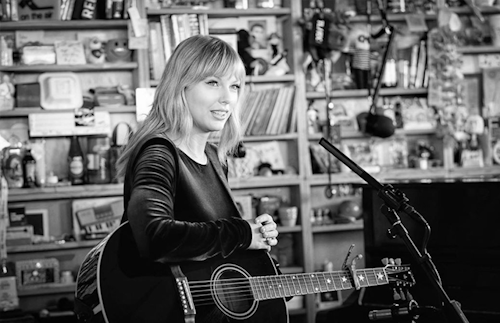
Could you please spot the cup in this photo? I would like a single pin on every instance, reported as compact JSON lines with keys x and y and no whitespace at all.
{"x":288,"y":215}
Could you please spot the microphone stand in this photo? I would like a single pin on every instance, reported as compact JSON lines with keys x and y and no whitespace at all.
{"x":395,"y":201}
{"x":388,"y":30}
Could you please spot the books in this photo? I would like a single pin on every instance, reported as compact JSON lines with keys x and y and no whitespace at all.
{"x":268,"y":111}
{"x":177,"y":27}
{"x":156,"y":51}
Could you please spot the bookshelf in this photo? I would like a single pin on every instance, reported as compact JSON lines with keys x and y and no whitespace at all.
{"x":57,"y":200}
{"x":312,"y":244}
{"x":332,"y":241}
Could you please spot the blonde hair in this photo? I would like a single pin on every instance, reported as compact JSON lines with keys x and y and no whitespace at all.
{"x":193,"y":60}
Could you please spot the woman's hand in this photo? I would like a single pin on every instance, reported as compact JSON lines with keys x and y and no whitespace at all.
{"x":264,"y":232}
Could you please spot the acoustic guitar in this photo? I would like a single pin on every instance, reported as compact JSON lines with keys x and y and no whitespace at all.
{"x":114,"y":285}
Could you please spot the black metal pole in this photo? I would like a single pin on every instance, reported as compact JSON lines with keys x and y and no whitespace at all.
{"x":395,"y":201}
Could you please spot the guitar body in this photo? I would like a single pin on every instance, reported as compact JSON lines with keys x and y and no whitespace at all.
{"x":115,"y":286}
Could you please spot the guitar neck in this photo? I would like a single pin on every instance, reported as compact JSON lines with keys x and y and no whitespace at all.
{"x":270,"y":287}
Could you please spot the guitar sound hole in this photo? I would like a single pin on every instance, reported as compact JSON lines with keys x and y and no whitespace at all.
{"x":233,"y":293}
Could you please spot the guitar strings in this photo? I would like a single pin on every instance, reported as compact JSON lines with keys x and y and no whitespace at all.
{"x":240,"y":289}
{"x":299,"y":279}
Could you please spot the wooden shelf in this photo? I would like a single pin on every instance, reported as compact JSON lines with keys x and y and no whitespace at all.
{"x":19,"y":195}
{"x":261,"y":181}
{"x":286,"y":136}
{"x":270,"y":78}
{"x":63,"y":24}
{"x":359,"y":135}
{"x":294,"y":229}
{"x":395,"y":17}
{"x":401,"y":17}
{"x":283,"y":137}
{"x":64,"y":192}
{"x":70,"y":68}
{"x":255,"y":79}
{"x":364,"y":93}
{"x":437,"y":174}
{"x":221,"y":13}
{"x":356,"y":226}
{"x":52,"y":246}
{"x":24,"y":112}
{"x":54,"y":288}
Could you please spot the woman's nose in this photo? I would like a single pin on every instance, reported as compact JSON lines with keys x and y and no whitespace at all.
{"x":225,"y":96}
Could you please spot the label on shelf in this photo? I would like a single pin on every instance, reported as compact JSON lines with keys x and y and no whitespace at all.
{"x":64,"y":124}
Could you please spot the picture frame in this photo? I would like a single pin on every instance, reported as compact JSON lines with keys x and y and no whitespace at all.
{"x":39,"y":219}
{"x":69,"y":52}
{"x":37,"y":272}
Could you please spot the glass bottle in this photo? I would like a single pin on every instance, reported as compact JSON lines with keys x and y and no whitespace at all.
{"x":29,"y":169}
{"x":76,"y":162}
{"x":98,"y":171}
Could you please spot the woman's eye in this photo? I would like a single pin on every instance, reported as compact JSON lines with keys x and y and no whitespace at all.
{"x":236,"y":86}
{"x":212,"y":83}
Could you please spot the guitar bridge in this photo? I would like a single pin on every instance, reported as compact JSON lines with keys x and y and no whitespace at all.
{"x":185,"y":294}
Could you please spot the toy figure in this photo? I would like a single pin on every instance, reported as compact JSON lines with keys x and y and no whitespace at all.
{"x":258,"y":36}
{"x":360,"y":38}
{"x":252,"y":65}
{"x":325,"y":39}
{"x":278,"y":65}
{"x":7,"y":91}
{"x":276,"y":44}
{"x":94,"y":51}
{"x":312,"y":120}
{"x":117,"y":50}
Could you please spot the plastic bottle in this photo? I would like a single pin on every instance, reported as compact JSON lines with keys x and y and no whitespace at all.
{"x":76,"y":163}
{"x":29,"y":169}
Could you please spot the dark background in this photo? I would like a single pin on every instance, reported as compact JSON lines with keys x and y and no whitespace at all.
{"x":464,"y":245}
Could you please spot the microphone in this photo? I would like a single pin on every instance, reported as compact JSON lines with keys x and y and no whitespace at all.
{"x":377,"y":125}
{"x":412,"y":310}
{"x":388,"y":314}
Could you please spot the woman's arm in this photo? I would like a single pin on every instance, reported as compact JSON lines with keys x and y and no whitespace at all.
{"x":158,"y":234}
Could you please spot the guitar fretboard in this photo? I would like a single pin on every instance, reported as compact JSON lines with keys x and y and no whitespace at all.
{"x":270,"y":287}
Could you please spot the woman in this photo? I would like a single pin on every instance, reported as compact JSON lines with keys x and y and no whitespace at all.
{"x":177,"y":199}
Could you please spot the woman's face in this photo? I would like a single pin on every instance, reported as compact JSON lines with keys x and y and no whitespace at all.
{"x":211,"y":102}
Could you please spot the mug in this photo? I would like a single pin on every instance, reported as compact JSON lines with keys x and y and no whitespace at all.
{"x":288,"y":215}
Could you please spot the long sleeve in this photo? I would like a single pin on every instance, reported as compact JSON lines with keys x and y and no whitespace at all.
{"x":162,"y":234}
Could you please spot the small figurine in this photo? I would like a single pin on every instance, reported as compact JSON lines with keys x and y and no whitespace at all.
{"x":117,"y":50}
{"x":360,"y":38}
{"x":312,"y":120}
{"x":276,"y":44}
{"x":252,"y":64}
{"x":7,"y":91}
{"x":94,"y":51}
